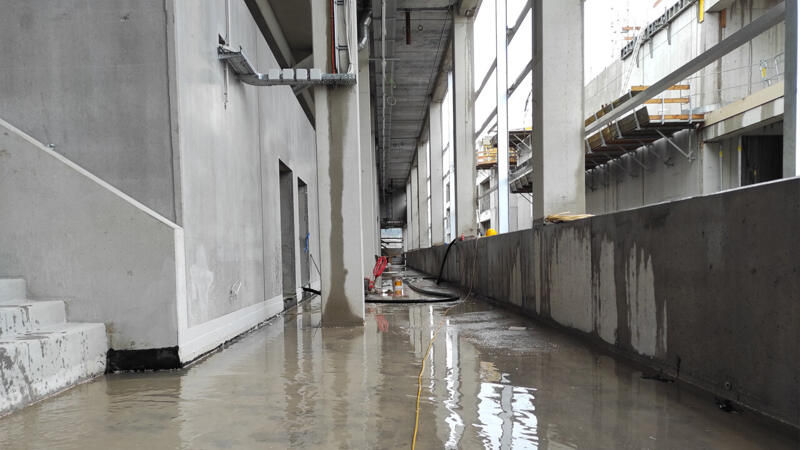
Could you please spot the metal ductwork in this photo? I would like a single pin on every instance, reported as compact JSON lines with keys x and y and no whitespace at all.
{"x":364,"y":30}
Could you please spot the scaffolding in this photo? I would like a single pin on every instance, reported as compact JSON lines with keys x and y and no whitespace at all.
{"x":657,"y":119}
{"x":486,"y":155}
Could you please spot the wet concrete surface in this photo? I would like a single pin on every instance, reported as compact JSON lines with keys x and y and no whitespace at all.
{"x":493,"y":380}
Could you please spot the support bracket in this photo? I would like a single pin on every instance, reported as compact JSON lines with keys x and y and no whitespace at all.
{"x":636,"y":160}
{"x":689,"y":155}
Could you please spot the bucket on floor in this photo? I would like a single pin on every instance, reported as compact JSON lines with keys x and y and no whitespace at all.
{"x":398,"y":286}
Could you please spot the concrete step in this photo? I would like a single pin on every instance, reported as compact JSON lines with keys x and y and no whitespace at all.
{"x":23,"y":316}
{"x":49,"y":359}
{"x":12,"y":289}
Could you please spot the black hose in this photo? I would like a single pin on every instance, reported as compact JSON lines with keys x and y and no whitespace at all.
{"x":440,"y":296}
{"x":313,"y":291}
{"x":441,"y":269}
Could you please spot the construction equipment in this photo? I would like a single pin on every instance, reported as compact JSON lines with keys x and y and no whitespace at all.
{"x":640,"y":127}
{"x":486,"y":156}
{"x":377,"y":271}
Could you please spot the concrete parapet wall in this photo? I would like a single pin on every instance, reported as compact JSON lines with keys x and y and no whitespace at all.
{"x":705,"y":288}
{"x":74,"y":236}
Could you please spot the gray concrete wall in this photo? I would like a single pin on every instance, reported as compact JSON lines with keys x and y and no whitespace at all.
{"x":91,"y":79}
{"x":740,"y":70}
{"x":705,"y":289}
{"x":667,"y":175}
{"x":231,"y":138}
{"x":108,"y":85}
{"x":74,"y":237}
{"x":520,"y":212}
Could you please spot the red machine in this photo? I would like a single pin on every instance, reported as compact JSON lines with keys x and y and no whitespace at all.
{"x":380,"y":266}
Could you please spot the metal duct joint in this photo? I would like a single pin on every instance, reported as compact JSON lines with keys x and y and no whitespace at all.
{"x":364,"y":30}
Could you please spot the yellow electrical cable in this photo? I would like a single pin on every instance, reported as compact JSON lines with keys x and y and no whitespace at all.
{"x":430,"y":344}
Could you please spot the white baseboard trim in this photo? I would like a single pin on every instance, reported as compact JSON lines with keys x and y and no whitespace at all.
{"x":199,"y":339}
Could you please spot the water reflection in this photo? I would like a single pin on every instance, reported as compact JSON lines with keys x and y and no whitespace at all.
{"x":292,"y":384}
{"x":506,"y":413}
{"x":453,"y":419}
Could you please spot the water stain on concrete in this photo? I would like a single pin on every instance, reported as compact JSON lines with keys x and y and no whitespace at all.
{"x":337,"y":307}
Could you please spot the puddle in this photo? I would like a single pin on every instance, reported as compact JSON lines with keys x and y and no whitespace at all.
{"x":292,"y":384}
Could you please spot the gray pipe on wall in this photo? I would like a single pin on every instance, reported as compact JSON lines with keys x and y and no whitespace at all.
{"x":364,"y":28}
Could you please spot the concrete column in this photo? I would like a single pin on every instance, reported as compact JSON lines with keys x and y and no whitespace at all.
{"x":338,"y":157}
{"x":558,"y":149}
{"x":422,"y":193}
{"x":415,"y":231}
{"x":371,"y":245}
{"x":791,"y":120}
{"x":437,"y":185}
{"x":376,"y":205}
{"x":464,"y":127}
{"x":409,"y":238}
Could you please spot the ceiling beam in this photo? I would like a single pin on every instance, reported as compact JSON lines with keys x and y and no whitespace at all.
{"x":305,"y":63}
{"x":268,"y":24}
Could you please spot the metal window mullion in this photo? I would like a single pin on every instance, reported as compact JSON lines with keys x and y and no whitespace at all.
{"x":501,"y":78}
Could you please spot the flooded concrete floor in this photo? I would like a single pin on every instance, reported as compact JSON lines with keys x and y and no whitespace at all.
{"x":291,"y":384}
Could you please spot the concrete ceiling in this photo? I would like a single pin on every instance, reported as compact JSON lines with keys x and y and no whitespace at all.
{"x":412,"y":71}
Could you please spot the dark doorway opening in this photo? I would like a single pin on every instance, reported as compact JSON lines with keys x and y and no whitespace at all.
{"x":287,"y":236}
{"x":304,"y":235}
{"x":762,"y":159}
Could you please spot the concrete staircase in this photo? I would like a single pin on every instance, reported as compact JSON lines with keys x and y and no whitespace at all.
{"x":41,"y":353}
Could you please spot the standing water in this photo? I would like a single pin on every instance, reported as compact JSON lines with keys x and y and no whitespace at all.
{"x":492,"y":380}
